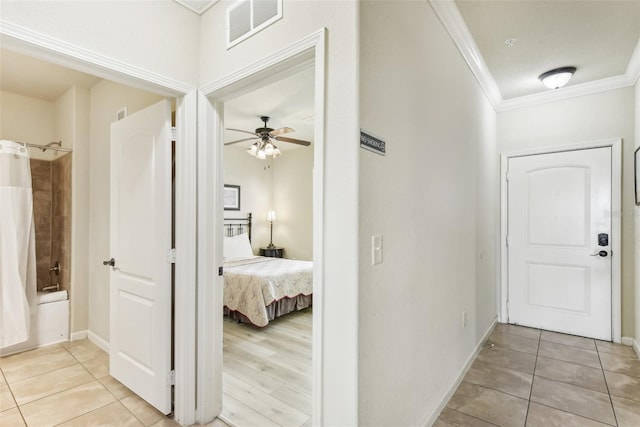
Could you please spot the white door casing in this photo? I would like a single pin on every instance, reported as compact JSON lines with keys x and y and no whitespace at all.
{"x":140,"y":238}
{"x":558,"y":203}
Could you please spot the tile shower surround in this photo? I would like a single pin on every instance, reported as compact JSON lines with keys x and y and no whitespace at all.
{"x":51,"y":181}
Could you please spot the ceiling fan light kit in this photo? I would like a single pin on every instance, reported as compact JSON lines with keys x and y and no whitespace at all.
{"x":265,"y":145}
{"x":558,"y":77}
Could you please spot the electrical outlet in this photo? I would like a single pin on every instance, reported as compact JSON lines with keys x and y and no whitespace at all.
{"x":464,"y":318}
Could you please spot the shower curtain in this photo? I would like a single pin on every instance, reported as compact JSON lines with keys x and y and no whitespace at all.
{"x":17,"y":244}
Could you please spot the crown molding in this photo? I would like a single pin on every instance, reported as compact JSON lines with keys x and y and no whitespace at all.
{"x":452,"y":20}
{"x":197,"y":6}
{"x":41,"y":46}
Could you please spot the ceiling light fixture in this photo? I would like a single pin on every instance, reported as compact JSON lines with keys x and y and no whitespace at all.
{"x":558,"y":77}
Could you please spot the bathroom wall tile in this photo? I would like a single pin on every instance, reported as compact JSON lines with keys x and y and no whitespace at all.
{"x":66,"y":405}
{"x":40,"y":174}
{"x":42,"y":202}
{"x":43,"y":227}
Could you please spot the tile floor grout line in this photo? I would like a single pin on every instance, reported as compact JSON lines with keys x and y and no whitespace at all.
{"x":14,"y":397}
{"x":571,"y":413}
{"x":533,"y":378}
{"x":615,"y":417}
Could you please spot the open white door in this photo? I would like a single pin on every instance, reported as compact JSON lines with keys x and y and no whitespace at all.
{"x":140,"y":289}
{"x":560,"y":267}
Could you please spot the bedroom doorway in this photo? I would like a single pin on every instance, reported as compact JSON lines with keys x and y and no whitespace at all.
{"x":268,"y":288}
{"x":287,"y":391}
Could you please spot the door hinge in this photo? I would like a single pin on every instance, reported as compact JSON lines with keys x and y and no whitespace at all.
{"x":171,"y":377}
{"x":219,"y":271}
{"x":171,"y":256}
{"x":507,"y":241}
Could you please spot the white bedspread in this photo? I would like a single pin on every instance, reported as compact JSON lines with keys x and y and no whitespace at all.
{"x":252,"y":284}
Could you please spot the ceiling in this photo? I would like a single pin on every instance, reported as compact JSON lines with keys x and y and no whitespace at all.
{"x":597,"y":37}
{"x":38,"y":79}
{"x":289,"y":102}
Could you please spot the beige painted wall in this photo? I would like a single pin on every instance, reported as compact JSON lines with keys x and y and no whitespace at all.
{"x":158,"y":36}
{"x":586,"y":118}
{"x":636,"y":211}
{"x":27,"y":119}
{"x":255,"y":178}
{"x":432,"y":198}
{"x":105,"y":100}
{"x":293,"y":203}
{"x":340,"y":292}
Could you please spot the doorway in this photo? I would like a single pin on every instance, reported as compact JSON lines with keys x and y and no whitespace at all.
{"x":305,"y":54}
{"x":561,"y":237}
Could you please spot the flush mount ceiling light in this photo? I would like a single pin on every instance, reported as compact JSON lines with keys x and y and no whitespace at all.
{"x":558,"y":77}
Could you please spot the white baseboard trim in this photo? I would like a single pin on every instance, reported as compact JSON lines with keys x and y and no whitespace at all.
{"x":99,"y":341}
{"x":431,"y":419}
{"x":627,"y":341}
{"x":79,"y":335}
{"x":636,"y":347}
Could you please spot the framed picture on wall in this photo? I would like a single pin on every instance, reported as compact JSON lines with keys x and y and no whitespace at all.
{"x":636,"y":168}
{"x":231,"y":197}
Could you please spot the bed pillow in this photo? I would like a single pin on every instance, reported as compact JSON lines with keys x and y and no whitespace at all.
{"x":237,"y":247}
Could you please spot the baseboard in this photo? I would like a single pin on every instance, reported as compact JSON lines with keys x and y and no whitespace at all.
{"x":636,"y":346}
{"x":99,"y":341}
{"x":627,"y":341}
{"x":431,"y":419}
{"x":79,"y":335}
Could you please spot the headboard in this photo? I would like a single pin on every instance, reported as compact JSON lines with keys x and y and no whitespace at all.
{"x":235,"y":226}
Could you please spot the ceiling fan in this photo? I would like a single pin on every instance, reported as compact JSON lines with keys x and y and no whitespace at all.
{"x":265,"y":145}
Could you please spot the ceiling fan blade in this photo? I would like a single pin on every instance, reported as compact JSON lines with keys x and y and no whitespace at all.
{"x":280,"y":131}
{"x":243,"y":131}
{"x":239,"y":140}
{"x":293,"y":141}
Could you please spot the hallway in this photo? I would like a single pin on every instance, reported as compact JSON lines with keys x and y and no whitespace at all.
{"x":525,"y":376}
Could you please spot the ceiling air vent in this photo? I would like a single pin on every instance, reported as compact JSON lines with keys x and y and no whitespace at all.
{"x":247,"y":17}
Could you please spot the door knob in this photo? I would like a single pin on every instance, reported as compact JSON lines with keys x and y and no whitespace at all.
{"x":602,"y":254}
{"x":111,"y":262}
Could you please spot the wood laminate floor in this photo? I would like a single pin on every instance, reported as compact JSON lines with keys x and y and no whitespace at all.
{"x":267,"y":372}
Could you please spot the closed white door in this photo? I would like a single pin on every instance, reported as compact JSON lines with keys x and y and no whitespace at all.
{"x":559,"y":222}
{"x":140,"y":291}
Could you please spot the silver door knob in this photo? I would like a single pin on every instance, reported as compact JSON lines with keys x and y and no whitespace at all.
{"x":602,"y":254}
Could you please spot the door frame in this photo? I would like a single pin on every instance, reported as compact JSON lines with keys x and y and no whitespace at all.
{"x":616,"y":224}
{"x":309,"y":51}
{"x":41,"y":46}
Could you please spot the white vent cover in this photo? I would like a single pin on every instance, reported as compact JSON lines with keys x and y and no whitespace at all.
{"x":247,"y":17}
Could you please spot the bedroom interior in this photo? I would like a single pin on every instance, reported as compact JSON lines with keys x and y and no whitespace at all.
{"x":268,"y":219}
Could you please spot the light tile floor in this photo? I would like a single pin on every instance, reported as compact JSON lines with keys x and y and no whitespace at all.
{"x":529,"y":377}
{"x":69,"y":385}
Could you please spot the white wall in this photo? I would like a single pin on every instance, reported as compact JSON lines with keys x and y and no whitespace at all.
{"x":72,"y":128}
{"x":340,"y":324}
{"x":586,"y":118}
{"x":637,"y":229}
{"x":432,"y":198}
{"x":27,"y":119}
{"x":106,"y":99}
{"x":158,"y":36}
{"x":255,"y":178}
{"x":293,"y":203}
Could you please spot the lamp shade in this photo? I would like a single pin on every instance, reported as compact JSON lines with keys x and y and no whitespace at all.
{"x":271,"y":215}
{"x":557,"y":78}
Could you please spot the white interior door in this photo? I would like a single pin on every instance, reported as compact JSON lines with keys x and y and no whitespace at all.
{"x":140,"y":291}
{"x":559,"y":271}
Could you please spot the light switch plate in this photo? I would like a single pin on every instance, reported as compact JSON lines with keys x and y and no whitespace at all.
{"x":376,"y":249}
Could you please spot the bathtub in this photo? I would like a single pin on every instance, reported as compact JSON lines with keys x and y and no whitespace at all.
{"x":49,"y":323}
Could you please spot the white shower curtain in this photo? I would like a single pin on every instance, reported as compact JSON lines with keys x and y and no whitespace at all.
{"x":17,"y":244}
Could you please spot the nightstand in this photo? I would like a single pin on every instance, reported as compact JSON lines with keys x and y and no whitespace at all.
{"x":272,"y":252}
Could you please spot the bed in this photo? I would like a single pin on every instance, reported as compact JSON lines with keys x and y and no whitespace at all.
{"x":259,"y":289}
